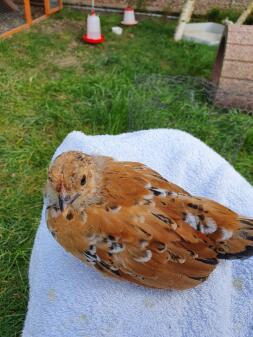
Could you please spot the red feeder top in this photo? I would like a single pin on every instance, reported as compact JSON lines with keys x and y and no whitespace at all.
{"x":129,"y":9}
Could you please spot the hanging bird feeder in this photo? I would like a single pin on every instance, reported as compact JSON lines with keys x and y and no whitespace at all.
{"x":93,"y":35}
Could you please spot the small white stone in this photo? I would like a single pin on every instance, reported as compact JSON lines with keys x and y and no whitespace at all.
{"x":117,"y":30}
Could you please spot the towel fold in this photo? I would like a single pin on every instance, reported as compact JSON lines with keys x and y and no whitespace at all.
{"x":70,"y":299}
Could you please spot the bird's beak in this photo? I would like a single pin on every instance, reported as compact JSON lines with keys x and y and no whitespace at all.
{"x":61,"y":203}
{"x":65,"y":200}
{"x":62,"y":198}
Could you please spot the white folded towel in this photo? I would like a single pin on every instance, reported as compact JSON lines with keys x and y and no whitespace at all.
{"x":69,"y":299}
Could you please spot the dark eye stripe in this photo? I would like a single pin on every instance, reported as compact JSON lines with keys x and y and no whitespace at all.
{"x":83,"y":180}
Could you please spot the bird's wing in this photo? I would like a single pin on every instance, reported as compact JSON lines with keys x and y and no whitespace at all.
{"x":154,"y":233}
{"x":147,"y":246}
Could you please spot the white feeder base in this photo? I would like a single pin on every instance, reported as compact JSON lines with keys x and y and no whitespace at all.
{"x":208,"y":33}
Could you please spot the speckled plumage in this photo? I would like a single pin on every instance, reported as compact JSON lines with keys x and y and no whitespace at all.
{"x":127,"y":221}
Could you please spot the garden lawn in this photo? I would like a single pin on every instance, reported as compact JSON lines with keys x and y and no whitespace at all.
{"x":52,"y":83}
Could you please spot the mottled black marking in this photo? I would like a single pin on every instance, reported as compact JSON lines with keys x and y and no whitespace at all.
{"x":111,"y":208}
{"x":155,"y":191}
{"x":116,"y":272}
{"x":92,"y":248}
{"x":173,"y":257}
{"x":200,"y":278}
{"x":220,"y":250}
{"x":247,"y":222}
{"x":111,"y":237}
{"x":160,"y":246}
{"x":240,"y":255}
{"x":169,"y":193}
{"x":143,"y":231}
{"x":184,"y":215}
{"x":164,"y":203}
{"x":198,"y":227}
{"x":115,"y":246}
{"x":201,"y":217}
{"x":193,"y":206}
{"x":69,"y":216}
{"x":147,"y":202}
{"x":191,"y":253}
{"x":244,"y":235}
{"x":163,"y":218}
{"x":208,"y":261}
{"x":90,"y":257}
{"x":108,"y":267}
{"x":105,"y":265}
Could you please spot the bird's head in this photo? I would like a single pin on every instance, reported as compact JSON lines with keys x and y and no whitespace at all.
{"x":72,"y":180}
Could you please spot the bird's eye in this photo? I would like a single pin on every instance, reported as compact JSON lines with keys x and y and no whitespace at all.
{"x":83,"y":180}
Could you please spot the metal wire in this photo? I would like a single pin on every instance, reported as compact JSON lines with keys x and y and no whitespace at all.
{"x":10,"y":19}
{"x":187,"y":103}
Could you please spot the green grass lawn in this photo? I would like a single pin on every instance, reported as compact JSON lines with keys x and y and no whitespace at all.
{"x":51,"y":83}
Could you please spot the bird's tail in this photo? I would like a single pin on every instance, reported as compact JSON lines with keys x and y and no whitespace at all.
{"x":240,"y":246}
